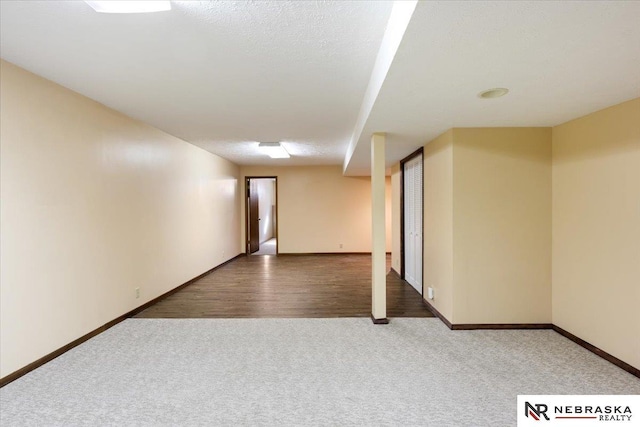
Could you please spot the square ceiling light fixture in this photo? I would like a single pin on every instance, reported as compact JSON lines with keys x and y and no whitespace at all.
{"x":129,"y":6}
{"x":274,"y":150}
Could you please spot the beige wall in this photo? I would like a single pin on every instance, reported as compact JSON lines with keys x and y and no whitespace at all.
{"x":438,"y":222}
{"x":596,"y":229}
{"x":395,"y":218}
{"x":545,"y":225}
{"x":502,"y":225}
{"x":319,"y":209}
{"x":487,"y":224}
{"x":95,"y":204}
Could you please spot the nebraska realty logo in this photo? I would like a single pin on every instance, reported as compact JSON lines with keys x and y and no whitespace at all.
{"x":576,"y":410}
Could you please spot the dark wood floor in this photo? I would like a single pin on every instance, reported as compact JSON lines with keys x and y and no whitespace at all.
{"x":289,"y":286}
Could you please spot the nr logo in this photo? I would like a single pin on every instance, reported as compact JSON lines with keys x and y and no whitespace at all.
{"x":536,"y":411}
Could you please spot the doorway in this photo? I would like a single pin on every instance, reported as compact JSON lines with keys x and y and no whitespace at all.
{"x":412,"y":220}
{"x":261,"y":213}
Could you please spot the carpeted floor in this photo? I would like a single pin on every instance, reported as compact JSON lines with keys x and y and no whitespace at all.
{"x":324,"y":372}
{"x":267,"y":248}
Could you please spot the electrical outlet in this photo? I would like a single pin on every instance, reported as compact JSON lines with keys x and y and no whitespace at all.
{"x":137,"y":293}
{"x":340,"y":245}
{"x":430,"y":292}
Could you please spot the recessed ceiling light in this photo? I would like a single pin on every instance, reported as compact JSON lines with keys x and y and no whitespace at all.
{"x":494,"y":93}
{"x":129,"y":6}
{"x":274,"y":150}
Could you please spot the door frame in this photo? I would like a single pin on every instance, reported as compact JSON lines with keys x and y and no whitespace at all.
{"x":418,"y":152}
{"x":246,"y":212}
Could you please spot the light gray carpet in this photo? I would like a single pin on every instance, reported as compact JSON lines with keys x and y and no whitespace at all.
{"x":325,"y":372}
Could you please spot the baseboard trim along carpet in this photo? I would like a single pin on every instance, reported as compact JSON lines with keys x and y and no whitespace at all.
{"x":439,"y":315}
{"x":472,"y":326}
{"x":592,"y":348}
{"x":49,"y":357}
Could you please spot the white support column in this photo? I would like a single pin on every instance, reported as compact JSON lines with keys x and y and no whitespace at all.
{"x":378,"y":235}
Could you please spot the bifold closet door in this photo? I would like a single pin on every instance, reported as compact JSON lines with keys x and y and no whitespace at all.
{"x":413,"y":222}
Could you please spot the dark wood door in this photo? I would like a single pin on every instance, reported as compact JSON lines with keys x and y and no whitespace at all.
{"x":254,"y":220}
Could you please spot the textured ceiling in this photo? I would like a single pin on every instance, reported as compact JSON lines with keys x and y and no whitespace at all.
{"x":217,"y":74}
{"x":560,"y":60}
{"x":223,"y":74}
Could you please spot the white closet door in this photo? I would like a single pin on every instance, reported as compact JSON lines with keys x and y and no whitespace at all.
{"x":417,"y":218}
{"x":409,"y":241}
{"x":413,"y":222}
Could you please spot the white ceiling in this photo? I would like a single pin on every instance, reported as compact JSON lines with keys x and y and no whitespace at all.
{"x":221,"y":74}
{"x":560,"y":60}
